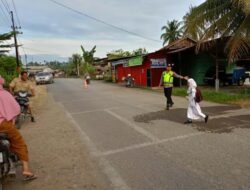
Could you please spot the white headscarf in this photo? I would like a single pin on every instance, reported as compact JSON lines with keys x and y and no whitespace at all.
{"x":192,"y":85}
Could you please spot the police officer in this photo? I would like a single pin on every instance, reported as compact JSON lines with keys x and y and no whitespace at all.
{"x":167,"y":79}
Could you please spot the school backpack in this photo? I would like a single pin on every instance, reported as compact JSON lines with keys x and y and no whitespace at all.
{"x":198,"y":95}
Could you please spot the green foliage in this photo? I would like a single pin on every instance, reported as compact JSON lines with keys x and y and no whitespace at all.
{"x":172,"y":31}
{"x":108,"y":77}
{"x":4,"y":37}
{"x":87,"y":68}
{"x":88,"y":56}
{"x":8,"y":68}
{"x":219,"y":97}
{"x":121,"y":53}
{"x":222,"y":18}
{"x":118,"y":54}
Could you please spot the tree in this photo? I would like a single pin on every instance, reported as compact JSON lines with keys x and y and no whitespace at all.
{"x":194,"y":33}
{"x":88,"y":60}
{"x":118,"y":54}
{"x":4,"y":37}
{"x":121,"y":53}
{"x":76,"y":60}
{"x":8,"y":67}
{"x":172,"y":31}
{"x":139,"y":51}
{"x":223,"y":18}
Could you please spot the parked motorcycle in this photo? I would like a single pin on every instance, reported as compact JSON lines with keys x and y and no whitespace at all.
{"x":8,"y":160}
{"x":22,"y":97}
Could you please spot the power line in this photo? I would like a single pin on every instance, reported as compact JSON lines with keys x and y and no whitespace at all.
{"x":6,"y":5}
{"x":18,"y":20}
{"x":103,"y":22}
{"x":5,"y":15}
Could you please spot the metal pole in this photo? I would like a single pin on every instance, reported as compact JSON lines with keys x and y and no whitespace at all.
{"x":217,"y":80}
{"x":15,"y":41}
{"x":26,"y":62}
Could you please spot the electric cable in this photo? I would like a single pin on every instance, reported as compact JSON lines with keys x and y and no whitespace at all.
{"x":5,"y":15}
{"x":103,"y":22}
{"x":18,"y":20}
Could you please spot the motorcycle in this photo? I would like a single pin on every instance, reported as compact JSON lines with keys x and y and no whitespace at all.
{"x":130,"y":82}
{"x":8,"y":160}
{"x":22,"y":98}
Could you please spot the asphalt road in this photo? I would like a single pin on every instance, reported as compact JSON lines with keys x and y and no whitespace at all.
{"x":140,"y":146}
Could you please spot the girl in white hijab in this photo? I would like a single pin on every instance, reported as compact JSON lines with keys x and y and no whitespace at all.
{"x":194,"y":111}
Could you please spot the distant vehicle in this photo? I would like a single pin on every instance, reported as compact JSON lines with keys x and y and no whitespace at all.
{"x":44,"y":78}
{"x":237,"y":77}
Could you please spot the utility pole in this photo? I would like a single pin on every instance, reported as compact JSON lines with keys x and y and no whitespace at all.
{"x":15,"y":41}
{"x":26,"y":62}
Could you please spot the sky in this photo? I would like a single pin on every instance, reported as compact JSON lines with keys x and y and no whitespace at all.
{"x":53,"y":30}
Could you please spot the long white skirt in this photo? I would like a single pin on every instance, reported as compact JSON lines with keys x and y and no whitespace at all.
{"x":194,"y":111}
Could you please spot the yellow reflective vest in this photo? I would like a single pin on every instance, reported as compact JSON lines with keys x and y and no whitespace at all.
{"x":168,"y":78}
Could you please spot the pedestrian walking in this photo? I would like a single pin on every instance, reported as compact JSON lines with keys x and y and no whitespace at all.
{"x":86,"y":80}
{"x":194,"y":111}
{"x":167,"y":79}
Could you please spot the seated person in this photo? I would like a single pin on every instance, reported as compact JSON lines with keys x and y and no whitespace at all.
{"x":9,"y":109}
{"x":23,"y":84}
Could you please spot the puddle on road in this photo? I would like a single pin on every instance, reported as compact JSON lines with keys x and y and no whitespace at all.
{"x":220,"y":125}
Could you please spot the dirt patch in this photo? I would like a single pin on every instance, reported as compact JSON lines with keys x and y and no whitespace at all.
{"x":57,"y":154}
{"x":242,"y":103}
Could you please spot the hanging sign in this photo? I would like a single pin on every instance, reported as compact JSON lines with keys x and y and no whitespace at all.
{"x":135,"y":61}
{"x":158,"y":63}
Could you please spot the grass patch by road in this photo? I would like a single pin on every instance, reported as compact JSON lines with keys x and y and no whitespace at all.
{"x":223,"y":96}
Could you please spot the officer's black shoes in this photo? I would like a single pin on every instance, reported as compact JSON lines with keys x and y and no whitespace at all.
{"x":167,"y":108}
{"x":171,"y":105}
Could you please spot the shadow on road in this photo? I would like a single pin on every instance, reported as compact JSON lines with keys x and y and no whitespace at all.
{"x":218,"y":125}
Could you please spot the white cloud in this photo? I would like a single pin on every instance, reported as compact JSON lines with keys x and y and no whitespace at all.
{"x":54,"y":30}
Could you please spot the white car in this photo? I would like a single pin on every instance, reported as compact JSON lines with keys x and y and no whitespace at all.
{"x":44,"y":78}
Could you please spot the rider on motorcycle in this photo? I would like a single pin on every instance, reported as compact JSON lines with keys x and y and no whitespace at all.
{"x":23,"y":84}
{"x":129,"y":81}
{"x":9,"y":109}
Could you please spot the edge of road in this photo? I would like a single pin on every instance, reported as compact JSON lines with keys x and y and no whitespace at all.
{"x":57,"y":153}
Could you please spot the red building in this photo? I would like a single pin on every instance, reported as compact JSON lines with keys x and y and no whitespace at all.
{"x":146,"y":69}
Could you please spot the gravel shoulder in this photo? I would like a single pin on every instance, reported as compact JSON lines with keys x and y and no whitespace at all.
{"x":57,"y":153}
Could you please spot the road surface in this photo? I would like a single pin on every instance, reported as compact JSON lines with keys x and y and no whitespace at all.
{"x":141,"y":146}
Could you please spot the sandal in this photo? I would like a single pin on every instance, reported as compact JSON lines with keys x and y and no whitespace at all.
{"x":29,"y":177}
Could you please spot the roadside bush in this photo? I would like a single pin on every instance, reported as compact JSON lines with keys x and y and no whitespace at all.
{"x":8,"y":76}
{"x":108,"y":78}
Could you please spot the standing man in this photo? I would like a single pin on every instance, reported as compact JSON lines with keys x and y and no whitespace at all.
{"x":22,"y":84}
{"x":167,"y":79}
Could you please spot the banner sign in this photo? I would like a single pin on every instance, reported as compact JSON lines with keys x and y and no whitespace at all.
{"x":119,"y":62}
{"x":158,"y":63}
{"x":135,"y":61}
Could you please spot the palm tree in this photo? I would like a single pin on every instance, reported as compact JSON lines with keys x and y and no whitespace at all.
{"x":76,"y":60}
{"x":172,"y":31}
{"x":4,"y":37}
{"x":222,"y":18}
{"x":88,"y":59}
{"x":88,"y":56}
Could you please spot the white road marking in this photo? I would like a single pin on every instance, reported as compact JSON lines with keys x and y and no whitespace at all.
{"x":142,"y":145}
{"x":134,"y":126}
{"x":95,"y":110}
{"x":116,"y":180}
